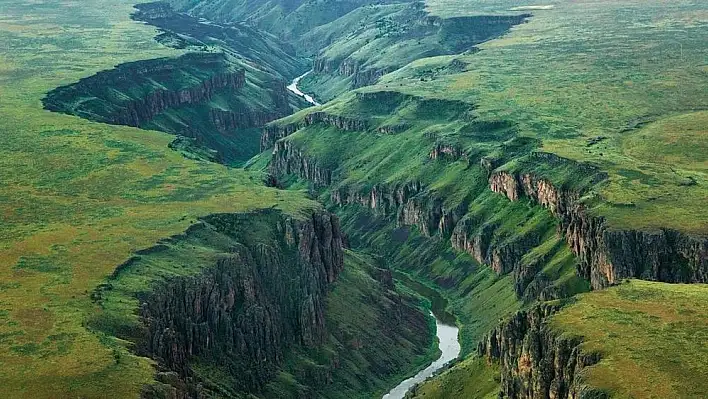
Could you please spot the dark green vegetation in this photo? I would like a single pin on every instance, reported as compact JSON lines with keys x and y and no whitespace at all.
{"x":235,"y":289}
{"x":360,"y":47}
{"x":527,"y":171}
{"x":377,"y":338}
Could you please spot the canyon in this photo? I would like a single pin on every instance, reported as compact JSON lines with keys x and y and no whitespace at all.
{"x":397,"y":199}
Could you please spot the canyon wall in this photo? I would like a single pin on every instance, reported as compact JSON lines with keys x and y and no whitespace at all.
{"x":411,"y":203}
{"x":608,"y":255}
{"x":537,"y":362}
{"x":240,"y":315}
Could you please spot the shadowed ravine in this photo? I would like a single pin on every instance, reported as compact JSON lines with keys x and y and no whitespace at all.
{"x":446,"y":333}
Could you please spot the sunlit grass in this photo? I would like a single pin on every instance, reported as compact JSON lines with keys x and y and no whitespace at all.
{"x":651,"y":336}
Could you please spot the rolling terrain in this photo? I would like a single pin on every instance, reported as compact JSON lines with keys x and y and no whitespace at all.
{"x":176,"y":223}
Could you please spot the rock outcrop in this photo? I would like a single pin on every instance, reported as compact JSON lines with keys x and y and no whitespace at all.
{"x":139,"y":111}
{"x":135,"y":109}
{"x":289,"y":159}
{"x":244,"y":312}
{"x":410,"y":203}
{"x":537,"y":362}
{"x":273,"y":133}
{"x":338,"y":121}
{"x":609,"y":255}
{"x":442,"y":150}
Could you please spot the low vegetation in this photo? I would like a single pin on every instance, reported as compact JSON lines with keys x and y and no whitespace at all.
{"x":651,"y":337}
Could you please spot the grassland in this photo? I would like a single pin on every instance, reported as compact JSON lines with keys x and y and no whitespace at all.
{"x":652,"y":337}
{"x":77,"y":198}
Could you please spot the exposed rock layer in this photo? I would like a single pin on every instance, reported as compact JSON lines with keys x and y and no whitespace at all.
{"x":245,"y":311}
{"x":609,"y":255}
{"x":537,"y":362}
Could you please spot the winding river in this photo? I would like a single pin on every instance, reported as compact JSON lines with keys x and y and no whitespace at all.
{"x":293,"y":88}
{"x":449,"y":348}
{"x":446,"y":333}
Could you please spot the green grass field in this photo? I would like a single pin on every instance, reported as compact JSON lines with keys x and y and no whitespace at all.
{"x":78,"y":197}
{"x":652,"y":338}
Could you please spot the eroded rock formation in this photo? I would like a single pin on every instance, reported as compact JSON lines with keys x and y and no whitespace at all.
{"x":243,"y":313}
{"x":537,"y":362}
{"x":609,"y":255}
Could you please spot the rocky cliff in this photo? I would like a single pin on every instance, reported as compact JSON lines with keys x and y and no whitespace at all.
{"x":479,"y":233}
{"x":409,"y":27}
{"x":537,"y":362}
{"x":289,"y":159}
{"x":139,"y":111}
{"x":150,"y":87}
{"x":240,"y":315}
{"x":608,"y":255}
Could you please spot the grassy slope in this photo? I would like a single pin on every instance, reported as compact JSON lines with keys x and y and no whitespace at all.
{"x":78,"y":197}
{"x":630,"y":71}
{"x":624,"y":71}
{"x":476,"y":295}
{"x":470,"y":378}
{"x":652,"y":337}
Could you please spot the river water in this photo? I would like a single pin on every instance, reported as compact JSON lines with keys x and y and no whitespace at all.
{"x":450,"y":348}
{"x":293,"y":87}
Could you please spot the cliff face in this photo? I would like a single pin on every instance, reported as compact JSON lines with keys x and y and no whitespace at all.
{"x":609,"y":255}
{"x":139,"y":111}
{"x":411,"y":203}
{"x":273,"y":133}
{"x":535,"y":361}
{"x":407,"y":27}
{"x":288,"y":159}
{"x":361,"y":76}
{"x":340,"y":122}
{"x":243,"y":313}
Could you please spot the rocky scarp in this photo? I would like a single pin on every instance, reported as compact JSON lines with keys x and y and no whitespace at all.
{"x":241,"y":314}
{"x":537,"y":362}
{"x":608,"y":255}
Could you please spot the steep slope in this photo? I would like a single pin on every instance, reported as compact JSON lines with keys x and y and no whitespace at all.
{"x":242,"y":304}
{"x":202,"y":96}
{"x":79,"y":198}
{"x":286,"y":18}
{"x":360,"y":47}
{"x":639,"y":339}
